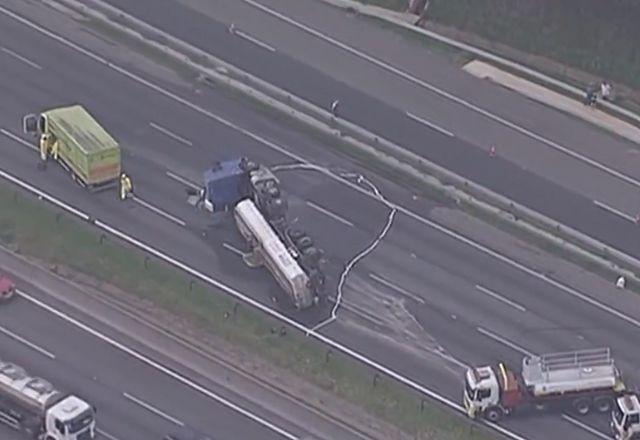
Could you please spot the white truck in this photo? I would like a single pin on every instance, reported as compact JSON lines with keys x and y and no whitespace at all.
{"x":577,"y":380}
{"x":269,"y":250}
{"x":625,"y":418}
{"x":33,"y":405}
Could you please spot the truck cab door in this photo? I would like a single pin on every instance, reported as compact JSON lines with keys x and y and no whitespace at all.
{"x":30,"y":124}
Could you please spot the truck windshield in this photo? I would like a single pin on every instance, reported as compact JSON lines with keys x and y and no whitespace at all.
{"x":617,"y":413}
{"x":470,"y":391}
{"x":80,"y":422}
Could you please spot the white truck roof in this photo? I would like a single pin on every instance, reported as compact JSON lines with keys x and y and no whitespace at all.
{"x":273,"y":247}
{"x":569,"y":371}
{"x":34,"y":392}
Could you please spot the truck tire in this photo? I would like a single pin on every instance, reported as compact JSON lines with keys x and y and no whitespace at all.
{"x":582,"y":406}
{"x":493,"y":414}
{"x":296,"y":234}
{"x":303,"y":243}
{"x":602,"y":404}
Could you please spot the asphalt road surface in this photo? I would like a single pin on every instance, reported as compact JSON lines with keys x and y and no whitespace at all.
{"x":412,"y":304}
{"x":143,"y":383}
{"x":381,"y":116}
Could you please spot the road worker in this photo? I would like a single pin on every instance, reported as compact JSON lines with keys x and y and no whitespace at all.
{"x":126,"y":187}
{"x":44,"y":146}
{"x":54,"y":149}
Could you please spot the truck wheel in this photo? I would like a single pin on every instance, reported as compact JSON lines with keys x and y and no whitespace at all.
{"x":603,"y":404}
{"x":493,"y":414}
{"x":582,"y":406}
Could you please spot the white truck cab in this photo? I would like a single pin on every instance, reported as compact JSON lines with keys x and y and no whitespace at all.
{"x":32,"y":404}
{"x":70,"y":419}
{"x":625,"y":418}
{"x":482,"y":393}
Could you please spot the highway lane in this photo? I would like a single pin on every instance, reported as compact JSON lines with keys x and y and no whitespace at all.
{"x":145,"y":375}
{"x":496,"y":173}
{"x":133,"y":400}
{"x":158,"y":230}
{"x":284,"y":25}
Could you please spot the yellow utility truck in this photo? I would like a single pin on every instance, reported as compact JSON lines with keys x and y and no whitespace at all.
{"x":73,"y":138}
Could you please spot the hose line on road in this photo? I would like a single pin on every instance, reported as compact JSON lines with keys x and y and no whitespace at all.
{"x":363,"y":181}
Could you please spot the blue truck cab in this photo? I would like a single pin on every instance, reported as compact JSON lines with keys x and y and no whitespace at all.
{"x":226,"y":183}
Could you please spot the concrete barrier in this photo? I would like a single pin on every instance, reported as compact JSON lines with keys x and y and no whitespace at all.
{"x":388,"y":155}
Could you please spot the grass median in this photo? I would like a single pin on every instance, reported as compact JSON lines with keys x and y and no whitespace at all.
{"x":40,"y":231}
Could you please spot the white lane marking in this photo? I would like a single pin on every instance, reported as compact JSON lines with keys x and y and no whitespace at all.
{"x":28,"y":343}
{"x":21,"y":58}
{"x":329,"y":213}
{"x":18,"y":139}
{"x":171,"y":134}
{"x":152,"y":409}
{"x":446,"y":94}
{"x":586,"y":427}
{"x":501,"y":298}
{"x":233,"y":249}
{"x":106,"y":434}
{"x":158,"y":211}
{"x":504,"y":341}
{"x":303,"y":162}
{"x":429,"y":124}
{"x":614,"y":211}
{"x":253,"y":40}
{"x":246,"y":299}
{"x":397,"y":288}
{"x":182,"y":180}
{"x":44,"y":195}
{"x":158,"y":366}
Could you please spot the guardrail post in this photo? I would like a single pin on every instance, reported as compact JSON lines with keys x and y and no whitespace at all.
{"x":146,"y":262}
{"x":191,"y":283}
{"x":327,"y":356}
{"x":103,"y":237}
{"x":376,"y":379}
{"x":58,"y":215}
{"x":422,"y":404}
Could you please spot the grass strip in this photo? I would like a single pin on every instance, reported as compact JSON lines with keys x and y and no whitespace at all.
{"x":589,"y":35}
{"x":40,"y":231}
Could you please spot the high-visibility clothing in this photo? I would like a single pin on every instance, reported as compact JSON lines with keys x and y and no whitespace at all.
{"x":126,"y":186}
{"x":44,"y":147}
{"x":54,"y":150}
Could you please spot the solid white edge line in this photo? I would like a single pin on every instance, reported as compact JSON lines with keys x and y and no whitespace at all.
{"x":106,"y":434}
{"x":328,"y":213}
{"x":158,"y":211}
{"x":275,"y":314}
{"x":171,"y":134}
{"x":26,"y":342}
{"x":429,"y":124}
{"x":21,"y":58}
{"x":445,"y":94}
{"x":18,"y":139}
{"x":182,"y":180}
{"x":254,"y":40}
{"x":355,"y":187}
{"x":501,"y":298}
{"x":397,"y":288}
{"x":614,"y":211}
{"x":503,"y":341}
{"x":586,"y":427}
{"x":157,"y":366}
{"x":44,"y":195}
{"x":152,"y":409}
